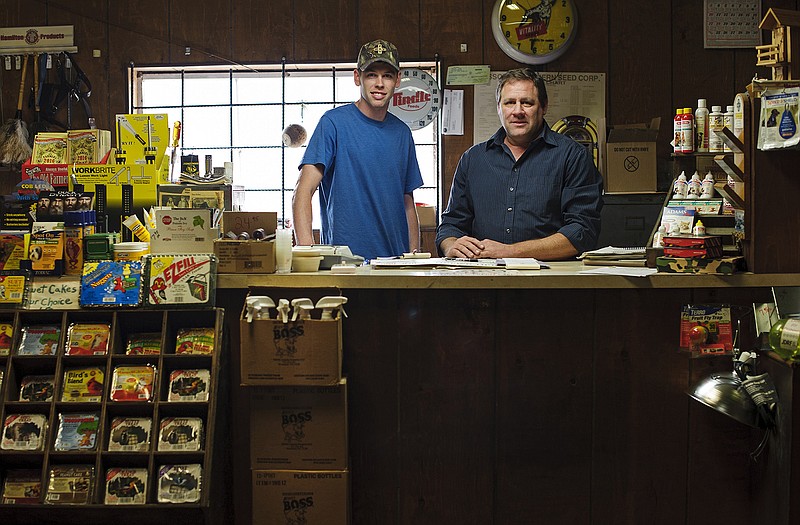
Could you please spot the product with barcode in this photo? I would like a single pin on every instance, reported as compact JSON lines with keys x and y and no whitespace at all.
{"x":77,"y":431}
{"x":189,"y":385}
{"x":24,"y":432}
{"x":83,"y":385}
{"x":69,"y":484}
{"x":37,"y":389}
{"x":195,"y":341}
{"x":180,"y":433}
{"x":22,"y":487}
{"x":186,"y":280}
{"x":129,"y":434}
{"x":111,"y":283}
{"x":126,"y":486}
{"x":148,"y":343}
{"x":179,"y":483}
{"x":39,"y":340}
{"x":133,"y":383}
{"x":87,"y":339}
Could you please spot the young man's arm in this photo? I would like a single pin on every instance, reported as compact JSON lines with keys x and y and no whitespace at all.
{"x":413,"y":222}
{"x":307,"y":184}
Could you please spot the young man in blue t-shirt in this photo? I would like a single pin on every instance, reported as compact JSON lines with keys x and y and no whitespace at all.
{"x":362,"y":159}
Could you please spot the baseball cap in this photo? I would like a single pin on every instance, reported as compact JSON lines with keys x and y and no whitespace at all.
{"x":378,"y":51}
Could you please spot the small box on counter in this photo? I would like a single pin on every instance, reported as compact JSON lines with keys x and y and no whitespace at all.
{"x":721,"y":265}
{"x":302,"y":427}
{"x":246,"y":256}
{"x":301,"y":496}
{"x":631,"y":158}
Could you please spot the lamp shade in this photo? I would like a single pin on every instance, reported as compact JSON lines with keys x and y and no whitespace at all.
{"x":723,"y":391}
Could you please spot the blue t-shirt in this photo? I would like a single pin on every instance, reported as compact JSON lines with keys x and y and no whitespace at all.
{"x":368,"y":168}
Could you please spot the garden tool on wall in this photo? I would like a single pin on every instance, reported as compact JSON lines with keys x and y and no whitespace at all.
{"x":73,"y":86}
{"x":14,"y":133}
{"x":39,"y":74}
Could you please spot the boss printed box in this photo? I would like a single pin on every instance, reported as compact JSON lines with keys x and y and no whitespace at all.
{"x":301,"y":496}
{"x":302,"y":352}
{"x":302,"y":427}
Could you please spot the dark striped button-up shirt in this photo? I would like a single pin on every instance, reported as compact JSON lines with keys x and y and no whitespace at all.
{"x":553,"y":187}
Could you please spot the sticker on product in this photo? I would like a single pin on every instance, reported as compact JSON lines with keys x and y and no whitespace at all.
{"x":24,"y":432}
{"x":126,"y":486}
{"x":189,"y":385}
{"x":179,"y":483}
{"x":184,"y":280}
{"x":77,"y":431}
{"x":180,"y":433}
{"x":70,"y":484}
{"x":129,"y":434}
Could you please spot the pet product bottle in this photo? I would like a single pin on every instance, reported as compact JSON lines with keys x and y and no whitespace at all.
{"x":727,"y":122}
{"x":677,"y":126}
{"x":715,"y":123}
{"x":701,"y":123}
{"x":687,"y":131}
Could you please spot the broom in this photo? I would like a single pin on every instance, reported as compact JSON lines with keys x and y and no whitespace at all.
{"x":15,"y":148}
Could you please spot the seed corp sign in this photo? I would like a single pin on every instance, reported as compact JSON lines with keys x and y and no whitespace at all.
{"x":417,"y":99}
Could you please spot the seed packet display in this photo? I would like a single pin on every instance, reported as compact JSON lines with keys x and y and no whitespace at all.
{"x":69,"y":484}
{"x":24,"y":432}
{"x":6,"y":334}
{"x":111,"y":283}
{"x":126,"y":486}
{"x":39,"y":340}
{"x":77,"y":431}
{"x":87,"y":339}
{"x":129,"y":434}
{"x":180,"y":433}
{"x":189,"y":385}
{"x":22,"y":487}
{"x":186,"y":280}
{"x":133,"y":383}
{"x":144,"y":344}
{"x":83,"y":385}
{"x":36,"y":388}
{"x":195,"y":341}
{"x":179,"y":483}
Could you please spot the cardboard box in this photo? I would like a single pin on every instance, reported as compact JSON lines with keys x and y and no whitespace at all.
{"x":299,"y":427}
{"x":183,"y":231}
{"x":427,"y":215}
{"x":143,"y":138}
{"x":631,"y":158}
{"x":295,"y":496}
{"x":57,"y":175}
{"x":302,"y":352}
{"x":236,"y":256}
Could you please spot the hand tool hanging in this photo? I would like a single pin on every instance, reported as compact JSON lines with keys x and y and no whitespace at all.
{"x":39,"y":73}
{"x":73,"y":85}
{"x":14,"y":148}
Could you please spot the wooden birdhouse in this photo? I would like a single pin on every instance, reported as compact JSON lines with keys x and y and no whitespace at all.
{"x":783,"y":54}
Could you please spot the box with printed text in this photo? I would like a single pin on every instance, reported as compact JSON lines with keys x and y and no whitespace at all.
{"x":631,"y":165}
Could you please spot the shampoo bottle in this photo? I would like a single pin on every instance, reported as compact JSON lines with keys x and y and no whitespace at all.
{"x":701,"y":122}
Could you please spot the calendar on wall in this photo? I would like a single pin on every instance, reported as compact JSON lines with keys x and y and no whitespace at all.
{"x":731,"y":23}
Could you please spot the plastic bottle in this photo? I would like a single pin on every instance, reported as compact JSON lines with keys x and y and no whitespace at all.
{"x":715,"y":123}
{"x":658,"y":238}
{"x":679,"y":189}
{"x":283,"y":250}
{"x":677,"y":127}
{"x":727,"y":122}
{"x":707,"y":188}
{"x":694,"y":187}
{"x":784,"y":337}
{"x":687,"y":131}
{"x":701,"y":123}
{"x":699,"y":228}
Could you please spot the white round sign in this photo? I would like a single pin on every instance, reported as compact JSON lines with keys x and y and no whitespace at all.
{"x":417,"y":98}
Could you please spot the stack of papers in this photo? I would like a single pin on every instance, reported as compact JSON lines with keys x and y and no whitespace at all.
{"x":527,"y":263}
{"x":615,"y":256}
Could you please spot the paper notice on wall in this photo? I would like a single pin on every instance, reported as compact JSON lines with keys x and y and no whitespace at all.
{"x":453,"y":112}
{"x":568,"y":94}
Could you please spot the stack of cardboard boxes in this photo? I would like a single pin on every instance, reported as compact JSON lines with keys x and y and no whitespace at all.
{"x":298,"y":415}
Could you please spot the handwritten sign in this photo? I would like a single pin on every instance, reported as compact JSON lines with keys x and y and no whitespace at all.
{"x":60,"y":293}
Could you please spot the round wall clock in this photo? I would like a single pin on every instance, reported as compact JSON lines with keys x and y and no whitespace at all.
{"x":417,"y":99}
{"x":534,"y":31}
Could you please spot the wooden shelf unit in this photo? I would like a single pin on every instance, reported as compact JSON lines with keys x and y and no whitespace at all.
{"x":123,"y":323}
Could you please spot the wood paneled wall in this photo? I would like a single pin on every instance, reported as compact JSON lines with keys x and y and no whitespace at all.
{"x":652,"y":52}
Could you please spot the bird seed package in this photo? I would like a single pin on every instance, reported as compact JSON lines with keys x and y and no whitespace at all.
{"x":144,"y":344}
{"x":180,"y":433}
{"x":780,"y":109}
{"x":179,"y":483}
{"x":129,"y":434}
{"x":195,"y":341}
{"x":37,"y":389}
{"x":24,"y":432}
{"x":111,"y":283}
{"x":70,"y":484}
{"x":6,"y":334}
{"x":83,"y":385}
{"x":39,"y":340}
{"x":126,"y":486}
{"x":77,"y":431}
{"x":133,"y":383}
{"x":189,"y":385}
{"x":22,"y":487}
{"x":87,"y":339}
{"x":185,"y":280}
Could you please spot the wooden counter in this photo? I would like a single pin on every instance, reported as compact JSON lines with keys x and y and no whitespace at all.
{"x":491,"y":397}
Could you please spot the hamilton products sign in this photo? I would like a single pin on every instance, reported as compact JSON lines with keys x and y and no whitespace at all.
{"x":33,"y":38}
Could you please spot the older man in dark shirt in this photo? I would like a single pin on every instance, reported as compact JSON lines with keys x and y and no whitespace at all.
{"x":527,"y":191}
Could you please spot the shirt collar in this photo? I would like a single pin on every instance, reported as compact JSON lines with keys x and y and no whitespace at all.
{"x":546,"y":135}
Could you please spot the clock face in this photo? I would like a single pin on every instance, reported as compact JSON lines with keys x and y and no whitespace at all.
{"x":417,"y":99}
{"x":534,"y":31}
